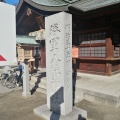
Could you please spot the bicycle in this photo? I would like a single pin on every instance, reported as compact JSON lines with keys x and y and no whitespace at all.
{"x":9,"y":80}
{"x":4,"y":76}
{"x":0,"y":76}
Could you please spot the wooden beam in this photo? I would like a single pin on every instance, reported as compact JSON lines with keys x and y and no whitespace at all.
{"x":21,"y":17}
{"x":41,"y":22}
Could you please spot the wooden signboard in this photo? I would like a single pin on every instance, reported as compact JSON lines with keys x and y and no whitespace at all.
{"x":74,"y":52}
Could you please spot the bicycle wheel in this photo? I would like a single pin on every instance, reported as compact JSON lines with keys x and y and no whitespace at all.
{"x":9,"y":83}
{"x":0,"y":76}
{"x":3,"y":80}
{"x":14,"y":82}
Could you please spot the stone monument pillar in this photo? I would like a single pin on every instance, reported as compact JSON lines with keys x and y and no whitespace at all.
{"x":58,"y":28}
{"x":26,"y":84}
{"x":59,"y":62}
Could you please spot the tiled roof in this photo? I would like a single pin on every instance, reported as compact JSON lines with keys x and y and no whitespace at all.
{"x":50,"y":2}
{"x":71,"y":1}
{"x":22,"y":39}
{"x":87,"y":5}
{"x":83,"y":5}
{"x":63,"y":5}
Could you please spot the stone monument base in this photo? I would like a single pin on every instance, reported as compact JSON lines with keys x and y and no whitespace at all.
{"x":45,"y":113}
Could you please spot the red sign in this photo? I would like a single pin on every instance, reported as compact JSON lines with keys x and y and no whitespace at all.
{"x":74,"y":52}
{"x":2,"y":58}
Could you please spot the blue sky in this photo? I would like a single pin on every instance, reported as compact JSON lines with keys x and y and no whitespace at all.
{"x":11,"y":1}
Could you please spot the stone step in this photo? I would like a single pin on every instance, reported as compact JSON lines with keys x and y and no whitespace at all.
{"x":36,"y":79}
{"x":41,"y":87}
{"x":38,"y":89}
{"x":97,"y":97}
{"x":38,"y":83}
{"x":101,"y":98}
{"x":42,"y":90}
{"x":78,"y":95}
{"x":81,"y":93}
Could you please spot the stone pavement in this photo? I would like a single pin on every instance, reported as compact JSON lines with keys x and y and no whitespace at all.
{"x":94,"y":88}
{"x":13,"y":106}
{"x":4,"y":89}
{"x":104,"y":84}
{"x":101,"y":89}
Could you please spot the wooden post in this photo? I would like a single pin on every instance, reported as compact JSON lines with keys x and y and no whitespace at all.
{"x":108,"y":69}
{"x":74,"y":68}
{"x":74,"y":56}
{"x":31,"y":66}
{"x":43,"y":57}
{"x":109,"y":55}
{"x":109,"y":48}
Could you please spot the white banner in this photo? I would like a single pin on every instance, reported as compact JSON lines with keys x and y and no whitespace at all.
{"x":7,"y":35}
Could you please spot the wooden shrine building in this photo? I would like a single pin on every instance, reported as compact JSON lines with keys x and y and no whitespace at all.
{"x":96,"y":30}
{"x":26,"y":46}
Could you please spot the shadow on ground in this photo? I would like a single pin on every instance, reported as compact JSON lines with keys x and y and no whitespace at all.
{"x":43,"y":74}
